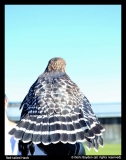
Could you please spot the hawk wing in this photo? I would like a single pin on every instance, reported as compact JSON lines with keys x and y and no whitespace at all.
{"x":55,"y":110}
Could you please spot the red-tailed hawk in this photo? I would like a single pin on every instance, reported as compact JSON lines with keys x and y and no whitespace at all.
{"x":55,"y":112}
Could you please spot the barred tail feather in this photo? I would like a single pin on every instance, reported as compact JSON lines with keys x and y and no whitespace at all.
{"x":78,"y":129}
{"x":19,"y":125}
{"x":100,"y":127}
{"x":21,"y":128}
{"x":95,"y":144}
{"x":100,"y":141}
{"x":45,"y":131}
{"x":63,"y":127}
{"x":37,"y":134}
{"x":54,"y":129}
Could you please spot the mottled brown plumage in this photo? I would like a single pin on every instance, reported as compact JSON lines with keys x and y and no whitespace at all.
{"x":56,"y":64}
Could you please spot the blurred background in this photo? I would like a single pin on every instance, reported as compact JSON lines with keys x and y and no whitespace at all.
{"x":88,"y":37}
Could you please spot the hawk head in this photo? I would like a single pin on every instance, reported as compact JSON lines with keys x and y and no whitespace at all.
{"x":56,"y":64}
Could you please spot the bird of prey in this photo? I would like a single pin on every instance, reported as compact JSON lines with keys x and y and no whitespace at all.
{"x":56,"y":113}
